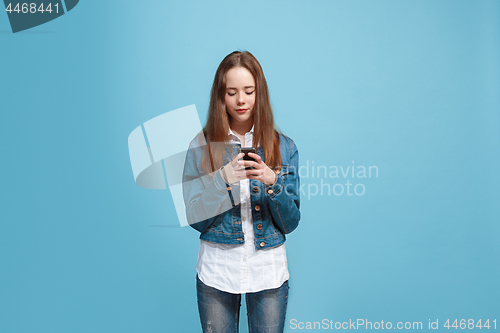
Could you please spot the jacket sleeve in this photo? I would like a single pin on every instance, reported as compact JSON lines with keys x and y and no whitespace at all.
{"x":284,"y":196}
{"x":205,"y":196}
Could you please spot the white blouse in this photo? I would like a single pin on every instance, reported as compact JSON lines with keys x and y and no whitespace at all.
{"x":240,"y":268}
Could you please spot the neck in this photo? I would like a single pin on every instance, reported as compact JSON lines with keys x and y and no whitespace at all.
{"x":241,"y":128}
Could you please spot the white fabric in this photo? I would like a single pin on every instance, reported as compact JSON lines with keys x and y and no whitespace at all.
{"x":240,"y":268}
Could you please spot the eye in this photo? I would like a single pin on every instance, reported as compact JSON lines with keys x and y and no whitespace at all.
{"x":231,"y":94}
{"x":249,"y":93}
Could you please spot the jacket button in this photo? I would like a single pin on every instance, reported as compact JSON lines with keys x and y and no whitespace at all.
{"x":255,"y":188}
{"x":259,"y":226}
{"x":257,"y":207}
{"x":262,"y":244}
{"x":270,"y":191}
{"x":229,"y":188}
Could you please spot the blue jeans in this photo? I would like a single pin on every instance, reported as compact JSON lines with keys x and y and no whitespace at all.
{"x":219,"y":310}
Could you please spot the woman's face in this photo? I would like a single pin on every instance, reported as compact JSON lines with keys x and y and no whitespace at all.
{"x":240,"y":95}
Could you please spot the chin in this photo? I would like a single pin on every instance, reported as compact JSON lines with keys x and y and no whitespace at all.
{"x":243,"y":119}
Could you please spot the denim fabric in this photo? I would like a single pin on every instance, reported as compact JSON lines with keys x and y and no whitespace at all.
{"x":219,"y":310}
{"x":212,"y":206}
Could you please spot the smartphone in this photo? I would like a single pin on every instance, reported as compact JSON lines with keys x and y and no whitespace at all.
{"x":247,"y":150}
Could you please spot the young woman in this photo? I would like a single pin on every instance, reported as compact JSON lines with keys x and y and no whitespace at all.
{"x":242,"y":208}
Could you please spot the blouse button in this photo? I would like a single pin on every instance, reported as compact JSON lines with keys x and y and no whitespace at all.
{"x":262,"y":244}
{"x":278,"y":171}
{"x":255,"y":188}
{"x":257,"y":207}
{"x":229,"y":188}
{"x":269,"y":191}
{"x":259,"y":226}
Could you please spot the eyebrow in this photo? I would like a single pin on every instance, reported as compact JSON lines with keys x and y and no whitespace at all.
{"x":246,"y":87}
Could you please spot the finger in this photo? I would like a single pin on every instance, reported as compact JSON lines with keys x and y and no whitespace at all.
{"x":240,"y":174}
{"x":239,"y":169}
{"x":236,"y":160}
{"x":254,"y":177}
{"x":252,"y":173}
{"x":238,"y":156}
{"x":249,"y":164}
{"x":255,"y":157}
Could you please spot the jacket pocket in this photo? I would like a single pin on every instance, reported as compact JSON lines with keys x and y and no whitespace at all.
{"x":217,"y":224}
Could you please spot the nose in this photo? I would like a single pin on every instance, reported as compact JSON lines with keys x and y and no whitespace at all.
{"x":241,"y":99}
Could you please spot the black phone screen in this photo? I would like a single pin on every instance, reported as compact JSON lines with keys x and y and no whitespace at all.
{"x":246,"y":157}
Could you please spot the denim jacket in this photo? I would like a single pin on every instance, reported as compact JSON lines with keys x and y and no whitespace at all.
{"x":213,"y":208}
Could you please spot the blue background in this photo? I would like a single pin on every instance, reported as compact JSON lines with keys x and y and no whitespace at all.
{"x":412,"y":87}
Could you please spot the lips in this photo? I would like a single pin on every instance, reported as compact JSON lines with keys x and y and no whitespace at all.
{"x":241,"y":110}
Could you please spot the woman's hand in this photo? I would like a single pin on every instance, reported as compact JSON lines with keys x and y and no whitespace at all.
{"x":234,"y":171}
{"x":261,"y":171}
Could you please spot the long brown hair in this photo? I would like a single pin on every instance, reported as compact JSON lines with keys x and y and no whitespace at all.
{"x":217,"y":126}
